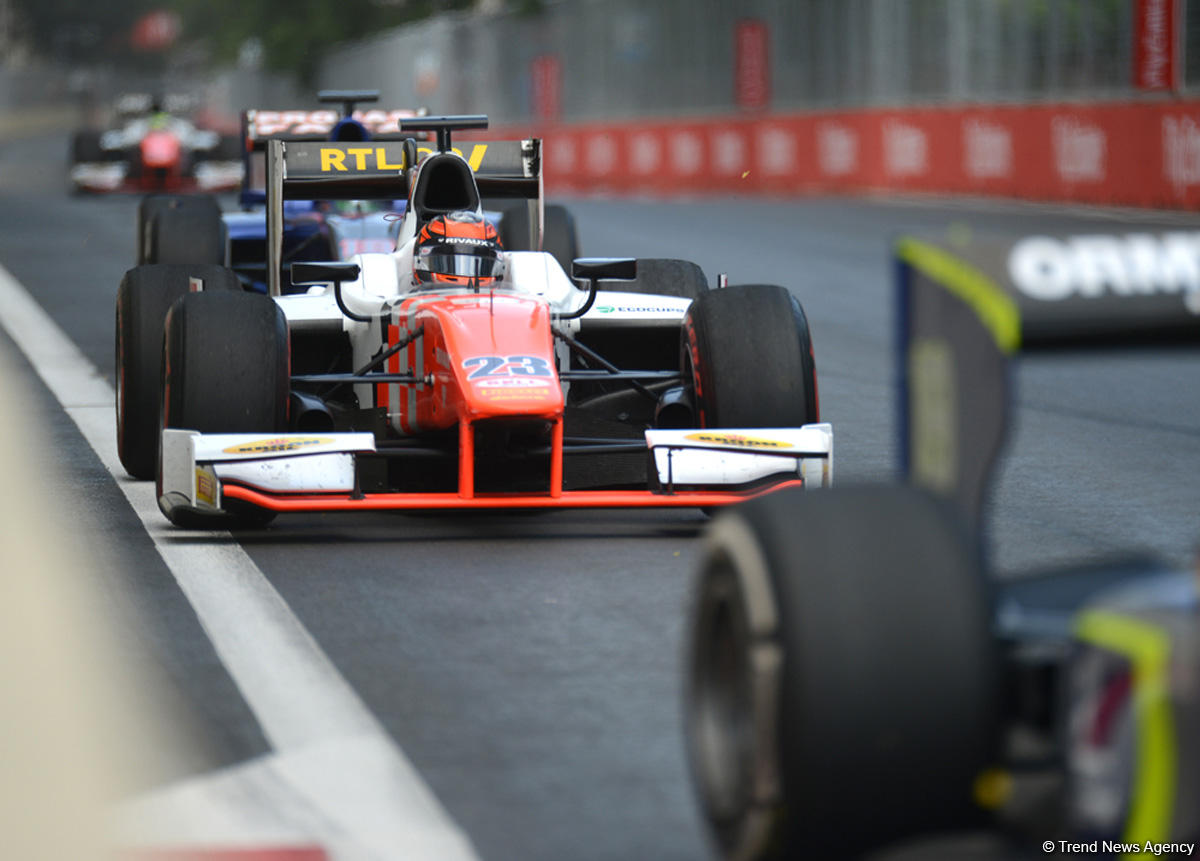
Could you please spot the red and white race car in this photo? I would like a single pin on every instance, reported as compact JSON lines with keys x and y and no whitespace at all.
{"x":154,"y":150}
{"x":452,"y":373}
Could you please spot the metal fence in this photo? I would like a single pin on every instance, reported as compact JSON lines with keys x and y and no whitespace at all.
{"x":612,"y":59}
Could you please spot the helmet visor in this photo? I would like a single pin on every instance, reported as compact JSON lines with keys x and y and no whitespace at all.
{"x":459,"y":261}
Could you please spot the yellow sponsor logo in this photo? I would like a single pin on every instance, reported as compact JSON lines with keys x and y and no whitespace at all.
{"x":267,"y":446}
{"x":736,"y":440}
{"x":355,"y":158}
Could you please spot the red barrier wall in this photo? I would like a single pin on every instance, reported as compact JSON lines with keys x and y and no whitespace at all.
{"x":1137,"y":154}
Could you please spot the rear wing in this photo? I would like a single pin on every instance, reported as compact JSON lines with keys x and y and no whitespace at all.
{"x":967,"y":308}
{"x":381,"y":170}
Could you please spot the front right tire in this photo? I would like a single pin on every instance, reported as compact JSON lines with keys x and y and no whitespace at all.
{"x":748,"y":355}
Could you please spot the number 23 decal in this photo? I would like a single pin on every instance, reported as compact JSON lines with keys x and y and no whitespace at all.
{"x":511,"y":366}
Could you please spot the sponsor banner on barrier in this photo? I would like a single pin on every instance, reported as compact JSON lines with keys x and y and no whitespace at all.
{"x":1123,"y":153}
{"x":1156,"y":45}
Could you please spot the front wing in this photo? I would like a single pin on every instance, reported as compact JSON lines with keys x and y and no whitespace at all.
{"x":113,"y":176}
{"x":203,"y":473}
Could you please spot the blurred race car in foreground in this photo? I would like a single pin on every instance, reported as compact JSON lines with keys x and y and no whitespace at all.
{"x":452,"y":373}
{"x":154,"y":149}
{"x":857,"y":679}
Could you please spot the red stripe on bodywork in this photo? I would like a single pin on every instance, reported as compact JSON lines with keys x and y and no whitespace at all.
{"x":381,"y":389}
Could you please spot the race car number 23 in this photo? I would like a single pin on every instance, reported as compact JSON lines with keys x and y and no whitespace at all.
{"x":506,"y":366}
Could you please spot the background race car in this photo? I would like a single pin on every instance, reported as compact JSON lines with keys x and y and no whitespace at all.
{"x":192,"y":230}
{"x":154,"y":148}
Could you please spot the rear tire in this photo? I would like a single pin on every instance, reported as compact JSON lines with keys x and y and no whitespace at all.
{"x":226,"y":370}
{"x":664,"y":277}
{"x":180,"y":229}
{"x":843,"y":685}
{"x":748,"y":354}
{"x":145,"y":295}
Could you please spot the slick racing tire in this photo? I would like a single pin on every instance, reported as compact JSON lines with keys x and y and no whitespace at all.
{"x":559,"y":234}
{"x":145,"y":295}
{"x":842,"y":690}
{"x":664,"y":277}
{"x":225,"y":370}
{"x":747,"y":353}
{"x":180,"y":229}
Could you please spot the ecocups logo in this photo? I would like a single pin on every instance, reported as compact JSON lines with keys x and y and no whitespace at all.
{"x":1049,"y":269}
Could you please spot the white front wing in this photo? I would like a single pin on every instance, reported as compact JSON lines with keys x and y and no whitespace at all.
{"x":195,"y":464}
{"x":739,"y":456}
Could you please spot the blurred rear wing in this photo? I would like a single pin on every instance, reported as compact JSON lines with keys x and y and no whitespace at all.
{"x":381,"y":170}
{"x":966,"y":308}
{"x":260,"y":126}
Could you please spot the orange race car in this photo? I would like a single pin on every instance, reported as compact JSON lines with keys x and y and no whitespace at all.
{"x":452,"y":373}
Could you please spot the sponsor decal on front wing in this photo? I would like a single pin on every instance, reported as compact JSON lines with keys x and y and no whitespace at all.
{"x":262,"y":446}
{"x":736,"y":440}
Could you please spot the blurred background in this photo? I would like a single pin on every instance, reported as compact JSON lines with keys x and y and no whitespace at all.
{"x":818,"y":130}
{"x":1091,"y":97}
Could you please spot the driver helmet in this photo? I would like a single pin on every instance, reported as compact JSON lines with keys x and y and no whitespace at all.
{"x":458,"y":248}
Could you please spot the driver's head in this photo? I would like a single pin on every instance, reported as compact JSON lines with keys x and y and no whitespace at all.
{"x":458,"y":248}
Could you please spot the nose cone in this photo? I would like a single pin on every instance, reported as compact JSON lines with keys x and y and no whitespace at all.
{"x":503,"y":355}
{"x":160,"y":149}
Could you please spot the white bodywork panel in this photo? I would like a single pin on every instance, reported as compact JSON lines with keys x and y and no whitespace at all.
{"x":385,"y":279}
{"x":736,"y":456}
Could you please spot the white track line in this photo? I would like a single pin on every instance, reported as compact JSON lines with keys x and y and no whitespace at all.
{"x":330,"y":752}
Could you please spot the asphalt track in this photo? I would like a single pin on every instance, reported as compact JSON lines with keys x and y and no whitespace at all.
{"x":530,"y":666}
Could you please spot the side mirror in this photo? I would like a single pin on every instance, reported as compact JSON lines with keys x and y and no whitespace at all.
{"x":604,"y":268}
{"x":596,"y":269}
{"x":324,"y":273}
{"x":305,"y":274}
